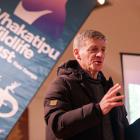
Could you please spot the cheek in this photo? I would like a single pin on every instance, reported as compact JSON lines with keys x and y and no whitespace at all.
{"x":92,"y":57}
{"x":84,"y":56}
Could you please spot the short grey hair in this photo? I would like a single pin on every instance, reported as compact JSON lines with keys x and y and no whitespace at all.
{"x":88,"y":34}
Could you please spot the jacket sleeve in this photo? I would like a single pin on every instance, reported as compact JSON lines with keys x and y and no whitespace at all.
{"x":132,"y":131}
{"x":65,"y":121}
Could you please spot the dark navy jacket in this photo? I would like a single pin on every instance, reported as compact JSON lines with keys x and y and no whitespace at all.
{"x":71,"y":114}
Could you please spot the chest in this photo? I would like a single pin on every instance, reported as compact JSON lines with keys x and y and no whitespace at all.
{"x":84,"y":93}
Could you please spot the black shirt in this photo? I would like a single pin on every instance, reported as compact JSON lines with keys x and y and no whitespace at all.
{"x":97,"y":88}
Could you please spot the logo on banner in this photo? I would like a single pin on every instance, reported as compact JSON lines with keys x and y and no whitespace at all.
{"x":6,"y":100}
{"x":43,"y":15}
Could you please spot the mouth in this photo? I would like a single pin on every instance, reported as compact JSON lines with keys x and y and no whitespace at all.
{"x":98,"y":62}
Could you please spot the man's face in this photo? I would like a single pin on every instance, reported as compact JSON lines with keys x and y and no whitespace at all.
{"x":92,"y":54}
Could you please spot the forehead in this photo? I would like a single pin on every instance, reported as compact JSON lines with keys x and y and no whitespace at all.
{"x":95,"y":42}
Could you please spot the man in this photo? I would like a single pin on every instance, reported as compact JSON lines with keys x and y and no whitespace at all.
{"x":81,"y":104}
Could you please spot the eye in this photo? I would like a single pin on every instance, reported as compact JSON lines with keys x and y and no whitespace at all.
{"x":94,"y":50}
{"x":103,"y":50}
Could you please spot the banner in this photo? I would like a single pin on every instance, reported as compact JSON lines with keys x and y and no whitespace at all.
{"x":33,"y":35}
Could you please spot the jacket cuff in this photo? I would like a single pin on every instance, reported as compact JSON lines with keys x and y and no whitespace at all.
{"x":99,"y":111}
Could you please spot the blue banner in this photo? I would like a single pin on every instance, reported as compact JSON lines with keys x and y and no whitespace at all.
{"x":33,"y":35}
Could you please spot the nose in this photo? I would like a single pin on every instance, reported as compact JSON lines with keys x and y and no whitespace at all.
{"x":100,"y":53}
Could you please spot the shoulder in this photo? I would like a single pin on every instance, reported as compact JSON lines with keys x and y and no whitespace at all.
{"x":63,"y":85}
{"x":58,"y":86}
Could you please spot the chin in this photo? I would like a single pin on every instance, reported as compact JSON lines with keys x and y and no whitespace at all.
{"x":98,"y":69}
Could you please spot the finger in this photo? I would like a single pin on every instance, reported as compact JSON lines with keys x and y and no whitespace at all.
{"x":114,"y":87}
{"x":114,"y":91}
{"x":116,"y":104}
{"x":116,"y":98}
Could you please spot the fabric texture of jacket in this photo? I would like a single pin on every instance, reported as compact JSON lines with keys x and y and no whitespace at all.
{"x":71,"y":113}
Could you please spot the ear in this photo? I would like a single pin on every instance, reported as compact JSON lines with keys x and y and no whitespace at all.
{"x":76,"y":54}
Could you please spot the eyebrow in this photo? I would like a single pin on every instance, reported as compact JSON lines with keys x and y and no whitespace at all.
{"x":96,"y":46}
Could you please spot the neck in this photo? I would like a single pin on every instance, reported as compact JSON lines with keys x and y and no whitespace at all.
{"x":93,"y":74}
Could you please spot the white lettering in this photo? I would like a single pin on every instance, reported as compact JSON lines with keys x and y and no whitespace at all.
{"x":6,"y":54}
{"x":29,"y":73}
{"x":23,"y":38}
